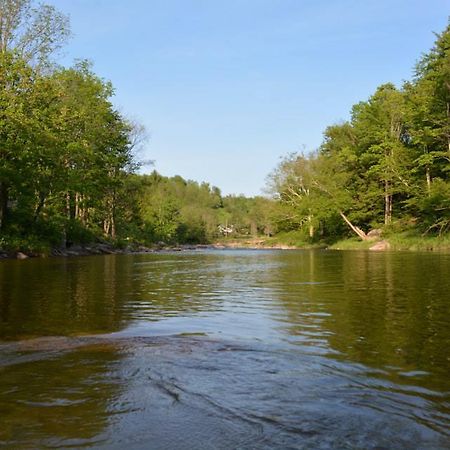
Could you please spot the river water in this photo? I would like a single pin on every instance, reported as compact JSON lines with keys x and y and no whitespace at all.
{"x":227,"y":349}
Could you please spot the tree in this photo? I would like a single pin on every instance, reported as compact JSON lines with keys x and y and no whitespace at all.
{"x":428,"y":122}
{"x":33,"y":32}
{"x":379,"y":127}
{"x":317,"y":189}
{"x":17,"y":81}
{"x":94,"y":148}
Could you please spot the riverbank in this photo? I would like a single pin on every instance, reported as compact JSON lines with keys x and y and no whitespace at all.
{"x":292,"y":240}
{"x":29,"y":248}
{"x":395,"y":242}
{"x":383,"y":242}
{"x":253,"y":243}
{"x":98,"y":249}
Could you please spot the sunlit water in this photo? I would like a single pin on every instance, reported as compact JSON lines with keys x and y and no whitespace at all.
{"x":227,"y":350}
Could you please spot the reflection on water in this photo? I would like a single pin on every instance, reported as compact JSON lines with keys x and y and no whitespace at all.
{"x":57,"y":400}
{"x":226,"y":349}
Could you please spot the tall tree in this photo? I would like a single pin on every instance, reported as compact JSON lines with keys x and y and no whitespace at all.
{"x":16,"y":130}
{"x":428,"y":121}
{"x":34,"y":32}
{"x":379,"y":126}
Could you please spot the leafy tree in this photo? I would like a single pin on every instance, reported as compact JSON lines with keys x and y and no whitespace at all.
{"x":428,"y":121}
{"x":33,"y":32}
{"x":16,"y":127}
{"x":379,"y":127}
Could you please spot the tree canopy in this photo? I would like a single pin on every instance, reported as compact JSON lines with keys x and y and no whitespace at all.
{"x":386,"y":167}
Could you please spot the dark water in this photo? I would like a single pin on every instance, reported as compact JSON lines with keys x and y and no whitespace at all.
{"x":227,"y":350}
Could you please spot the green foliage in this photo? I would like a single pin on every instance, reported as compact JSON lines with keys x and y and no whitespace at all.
{"x":433,"y":208}
{"x":30,"y":244}
{"x":388,"y":167}
{"x":64,"y":152}
{"x":178,"y":211}
{"x":293,"y":238}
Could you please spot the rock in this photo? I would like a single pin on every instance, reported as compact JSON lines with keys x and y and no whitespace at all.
{"x":381,"y":246}
{"x":58,"y":252}
{"x":20,"y":255}
{"x":374,"y":234}
{"x":93,"y":251}
{"x":105,"y":249}
{"x":143,"y":249}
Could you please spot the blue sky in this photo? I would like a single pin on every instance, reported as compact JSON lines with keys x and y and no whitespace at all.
{"x":227,"y":87}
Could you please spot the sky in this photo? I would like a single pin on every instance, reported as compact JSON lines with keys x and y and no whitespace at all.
{"x":225,"y":88}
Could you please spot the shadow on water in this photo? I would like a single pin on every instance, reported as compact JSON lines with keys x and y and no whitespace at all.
{"x":102,"y":294}
{"x":294,"y":350}
{"x":56,"y":398}
{"x":62,"y":296}
{"x":383,"y":310}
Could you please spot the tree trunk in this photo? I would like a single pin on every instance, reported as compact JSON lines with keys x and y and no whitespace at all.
{"x":68,"y":212}
{"x":354,"y":228}
{"x":4,"y":194}
{"x":113,"y":226}
{"x":106,"y":226}
{"x":387,"y":204}
{"x":68,"y":217}
{"x":77,"y":205}
{"x":311,"y":227}
{"x":40,"y":205}
{"x":113,"y":215}
{"x":428,"y":175}
{"x":448,"y":121}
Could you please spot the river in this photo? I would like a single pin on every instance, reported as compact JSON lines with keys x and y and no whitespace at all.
{"x":226,"y":349}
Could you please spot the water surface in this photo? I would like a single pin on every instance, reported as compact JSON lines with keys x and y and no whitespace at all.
{"x":226,"y":349}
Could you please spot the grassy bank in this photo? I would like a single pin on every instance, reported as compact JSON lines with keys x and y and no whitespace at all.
{"x":398,"y":241}
{"x":34,"y":247}
{"x":295,"y":239}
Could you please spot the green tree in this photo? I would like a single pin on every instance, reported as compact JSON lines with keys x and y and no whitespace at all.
{"x":379,"y":127}
{"x":17,"y":82}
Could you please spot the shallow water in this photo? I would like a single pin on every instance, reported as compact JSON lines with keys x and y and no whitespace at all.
{"x":226,"y":349}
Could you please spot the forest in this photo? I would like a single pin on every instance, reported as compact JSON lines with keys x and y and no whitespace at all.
{"x":70,"y":174}
{"x":387,"y":168}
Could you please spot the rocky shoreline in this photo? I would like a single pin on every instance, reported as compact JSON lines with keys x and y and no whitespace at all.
{"x":109,"y":249}
{"x":97,"y":249}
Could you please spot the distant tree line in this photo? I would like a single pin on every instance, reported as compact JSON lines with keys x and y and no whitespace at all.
{"x":175,"y":210}
{"x":387,"y":167}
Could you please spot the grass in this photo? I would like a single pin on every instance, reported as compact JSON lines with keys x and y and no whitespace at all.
{"x":295,"y":239}
{"x":414,"y":242}
{"x":407,"y":240}
{"x":352,"y":244}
